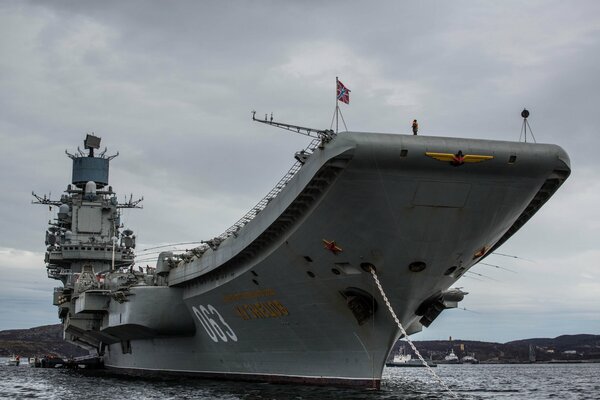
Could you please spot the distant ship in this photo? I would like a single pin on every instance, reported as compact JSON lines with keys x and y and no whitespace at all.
{"x":405,"y":360}
{"x":469,"y":359}
{"x":451,"y":358}
{"x":13,"y":361}
{"x":286,"y":294}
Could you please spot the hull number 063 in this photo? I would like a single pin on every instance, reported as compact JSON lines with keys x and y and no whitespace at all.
{"x":214,"y":324}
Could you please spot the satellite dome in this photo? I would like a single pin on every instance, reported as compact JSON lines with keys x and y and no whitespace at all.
{"x":90,"y":187}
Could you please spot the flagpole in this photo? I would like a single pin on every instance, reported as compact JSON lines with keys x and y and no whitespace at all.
{"x":336,"y":104}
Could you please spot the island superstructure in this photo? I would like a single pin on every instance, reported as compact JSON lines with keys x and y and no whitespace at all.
{"x":86,"y":241}
{"x":286,"y":294}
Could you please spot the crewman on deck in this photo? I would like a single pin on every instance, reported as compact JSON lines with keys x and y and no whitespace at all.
{"x":415,"y":127}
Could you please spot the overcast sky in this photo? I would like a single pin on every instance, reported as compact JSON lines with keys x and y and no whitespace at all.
{"x":170,"y":85}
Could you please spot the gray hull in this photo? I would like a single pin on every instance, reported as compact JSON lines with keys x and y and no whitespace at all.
{"x":272,"y":301}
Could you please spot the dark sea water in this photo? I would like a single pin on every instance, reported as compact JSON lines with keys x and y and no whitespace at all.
{"x":564,"y":381}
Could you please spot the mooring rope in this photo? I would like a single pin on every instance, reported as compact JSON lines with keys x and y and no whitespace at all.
{"x":412,"y":345}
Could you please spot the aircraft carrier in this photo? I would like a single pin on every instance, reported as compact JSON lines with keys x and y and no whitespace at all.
{"x":286,"y":294}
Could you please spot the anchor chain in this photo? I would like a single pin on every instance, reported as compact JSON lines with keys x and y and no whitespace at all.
{"x":412,"y":345}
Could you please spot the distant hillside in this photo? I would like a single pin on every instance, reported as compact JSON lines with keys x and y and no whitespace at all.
{"x":561,"y":348}
{"x":562,"y":343}
{"x":44,"y":340}
{"x":39,"y":341}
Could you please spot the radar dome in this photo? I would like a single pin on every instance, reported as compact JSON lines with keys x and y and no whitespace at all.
{"x":90,"y":187}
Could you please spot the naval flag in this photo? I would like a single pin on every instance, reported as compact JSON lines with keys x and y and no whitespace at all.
{"x":343,"y":93}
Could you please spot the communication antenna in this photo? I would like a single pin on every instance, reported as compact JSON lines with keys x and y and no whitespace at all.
{"x":525,"y":115}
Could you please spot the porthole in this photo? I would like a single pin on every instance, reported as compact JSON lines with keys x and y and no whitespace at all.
{"x":335,"y":271}
{"x":417,"y":266}
{"x":310,"y":273}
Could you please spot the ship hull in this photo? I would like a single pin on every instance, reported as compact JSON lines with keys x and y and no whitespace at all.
{"x":274,"y":302}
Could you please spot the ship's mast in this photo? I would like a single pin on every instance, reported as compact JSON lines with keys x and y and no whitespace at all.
{"x":85,"y":231}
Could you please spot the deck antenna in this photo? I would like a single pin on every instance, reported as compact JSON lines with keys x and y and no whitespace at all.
{"x":525,"y":115}
{"x":325,"y":135}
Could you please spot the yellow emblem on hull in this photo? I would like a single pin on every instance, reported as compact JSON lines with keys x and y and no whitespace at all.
{"x":459,"y":158}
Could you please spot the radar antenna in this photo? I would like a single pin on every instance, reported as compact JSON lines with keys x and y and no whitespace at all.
{"x":130,"y":203}
{"x":525,"y":115}
{"x":44,"y":200}
{"x":91,"y":142}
